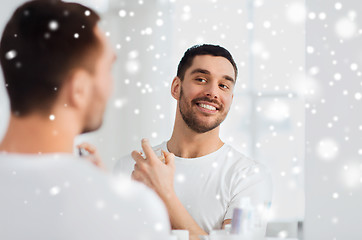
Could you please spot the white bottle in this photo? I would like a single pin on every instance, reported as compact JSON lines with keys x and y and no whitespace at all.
{"x":247,"y":221}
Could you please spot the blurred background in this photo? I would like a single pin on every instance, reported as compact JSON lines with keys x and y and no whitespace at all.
{"x":296,"y":102}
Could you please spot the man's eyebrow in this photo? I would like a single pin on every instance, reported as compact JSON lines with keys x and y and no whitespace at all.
{"x":204,"y":71}
{"x":200,"y":70}
{"x":229,"y":78}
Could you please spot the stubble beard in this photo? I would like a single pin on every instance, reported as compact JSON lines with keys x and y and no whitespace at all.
{"x":191,"y":119}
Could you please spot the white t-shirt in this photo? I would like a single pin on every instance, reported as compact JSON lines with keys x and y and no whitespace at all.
{"x":211,"y":186}
{"x":59,"y":196}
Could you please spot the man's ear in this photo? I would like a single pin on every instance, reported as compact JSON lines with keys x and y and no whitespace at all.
{"x":176,"y":88}
{"x":78,"y":88}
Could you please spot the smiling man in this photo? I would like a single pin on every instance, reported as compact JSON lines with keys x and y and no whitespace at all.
{"x":206,"y":179}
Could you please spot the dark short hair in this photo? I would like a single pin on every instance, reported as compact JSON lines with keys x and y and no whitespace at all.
{"x":42,"y":42}
{"x":205,"y":49}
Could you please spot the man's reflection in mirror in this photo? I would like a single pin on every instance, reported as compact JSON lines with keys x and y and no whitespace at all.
{"x":203,"y":179}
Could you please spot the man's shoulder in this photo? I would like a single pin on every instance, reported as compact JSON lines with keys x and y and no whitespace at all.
{"x":236,"y":156}
{"x":49,"y":161}
{"x":240,"y":162}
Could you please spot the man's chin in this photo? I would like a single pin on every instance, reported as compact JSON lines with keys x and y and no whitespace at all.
{"x":203,"y":127}
{"x":94,"y":127}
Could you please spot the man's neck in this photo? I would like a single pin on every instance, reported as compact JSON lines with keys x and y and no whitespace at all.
{"x":187,"y":143}
{"x":38,"y":134}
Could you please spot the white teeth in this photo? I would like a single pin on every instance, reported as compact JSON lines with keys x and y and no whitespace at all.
{"x":207,"y":106}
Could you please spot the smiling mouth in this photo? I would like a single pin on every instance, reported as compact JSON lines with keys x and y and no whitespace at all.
{"x":206,"y":106}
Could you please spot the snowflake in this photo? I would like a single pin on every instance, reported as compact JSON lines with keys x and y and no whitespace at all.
{"x":158,"y":227}
{"x":338,"y":6}
{"x":100,"y":204}
{"x":54,"y":191}
{"x":296,"y":12}
{"x":335,"y":195}
{"x":345,"y":28}
{"x":327,"y":149}
{"x":53,"y":25}
{"x":10,"y":54}
{"x":122,"y":13}
{"x":358,"y":96}
{"x":180,"y":178}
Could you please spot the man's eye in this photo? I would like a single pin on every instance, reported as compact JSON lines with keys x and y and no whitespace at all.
{"x":200,"y":80}
{"x":223,"y":86}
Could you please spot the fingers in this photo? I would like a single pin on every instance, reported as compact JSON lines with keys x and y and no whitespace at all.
{"x":141,"y":167}
{"x":150,"y":154}
{"x":95,"y":161}
{"x":139,"y":177}
{"x":137,"y":156}
{"x":135,"y":167}
{"x":89,"y":152}
{"x":89,"y":147}
{"x":136,"y":175}
{"x":169,"y":158}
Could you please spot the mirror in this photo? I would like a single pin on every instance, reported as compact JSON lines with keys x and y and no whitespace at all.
{"x":295,"y":103}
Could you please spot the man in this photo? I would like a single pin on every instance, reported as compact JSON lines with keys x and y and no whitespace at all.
{"x":211,"y":178}
{"x":57,"y":69}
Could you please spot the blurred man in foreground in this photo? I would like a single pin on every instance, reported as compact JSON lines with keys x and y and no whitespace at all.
{"x":57,"y":69}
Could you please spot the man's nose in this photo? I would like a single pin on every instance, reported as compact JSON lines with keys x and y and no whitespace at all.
{"x":212,"y":91}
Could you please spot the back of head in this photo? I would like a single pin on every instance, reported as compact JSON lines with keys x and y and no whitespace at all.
{"x":41,"y":44}
{"x":204,"y":49}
